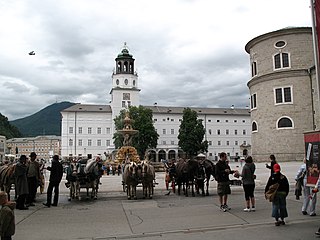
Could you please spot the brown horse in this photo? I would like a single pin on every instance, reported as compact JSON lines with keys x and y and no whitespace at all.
{"x":7,"y":177}
{"x":187,"y":170}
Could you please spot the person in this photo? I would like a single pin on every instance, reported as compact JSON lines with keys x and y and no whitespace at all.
{"x":248,"y":177}
{"x":7,"y":219}
{"x":56,"y":172}
{"x":273,"y":162}
{"x":279,"y":205}
{"x":309,"y":204}
{"x":33,"y":177}
{"x":222,"y":176}
{"x":21,"y":182}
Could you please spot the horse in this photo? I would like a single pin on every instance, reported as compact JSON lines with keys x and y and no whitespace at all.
{"x":206,"y":169}
{"x":7,"y":178}
{"x":71,"y":177}
{"x":130,"y":178}
{"x":186,"y":172}
{"x":147,"y":178}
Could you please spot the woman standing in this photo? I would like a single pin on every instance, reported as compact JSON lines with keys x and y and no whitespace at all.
{"x":248,"y":177}
{"x":279,"y":204}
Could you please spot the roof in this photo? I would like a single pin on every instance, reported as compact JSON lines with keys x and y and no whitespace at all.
{"x":162,"y":110}
{"x":88,"y":108}
{"x":38,"y":138}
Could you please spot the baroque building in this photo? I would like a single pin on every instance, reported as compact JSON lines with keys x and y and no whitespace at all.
{"x":284,"y":93}
{"x":87,"y":130}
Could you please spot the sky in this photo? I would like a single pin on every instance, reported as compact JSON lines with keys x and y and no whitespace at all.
{"x":188,"y":53}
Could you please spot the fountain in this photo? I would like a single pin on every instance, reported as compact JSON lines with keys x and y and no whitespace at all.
{"x":127,"y":153}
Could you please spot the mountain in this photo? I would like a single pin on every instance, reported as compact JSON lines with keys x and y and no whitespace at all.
{"x":45,"y":122}
{"x":7,"y":129}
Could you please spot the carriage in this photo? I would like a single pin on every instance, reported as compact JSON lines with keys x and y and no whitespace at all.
{"x":85,"y":174}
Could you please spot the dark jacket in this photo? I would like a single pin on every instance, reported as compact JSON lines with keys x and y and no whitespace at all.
{"x":7,"y":221}
{"x":247,"y":173}
{"x":21,"y":182}
{"x":271,"y":167}
{"x":56,"y":170}
{"x":221,"y":174}
{"x":278,"y":178}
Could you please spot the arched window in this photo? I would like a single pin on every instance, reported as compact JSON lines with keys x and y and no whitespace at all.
{"x":281,"y":60}
{"x":119,"y":67}
{"x":284,"y":122}
{"x":254,"y":127}
{"x":125,"y":66}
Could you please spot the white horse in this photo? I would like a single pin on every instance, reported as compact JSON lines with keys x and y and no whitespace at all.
{"x":131,"y":180}
{"x":147,"y":179}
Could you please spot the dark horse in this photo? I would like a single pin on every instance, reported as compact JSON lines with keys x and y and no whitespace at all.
{"x":7,"y":178}
{"x":187,"y":170}
{"x":206,"y":169}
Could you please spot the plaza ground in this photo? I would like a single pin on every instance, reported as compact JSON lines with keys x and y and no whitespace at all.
{"x":165,"y":216}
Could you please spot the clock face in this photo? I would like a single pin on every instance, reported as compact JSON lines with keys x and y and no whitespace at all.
{"x":126,"y":96}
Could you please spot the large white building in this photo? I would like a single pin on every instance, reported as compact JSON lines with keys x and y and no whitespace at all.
{"x":87,"y":130}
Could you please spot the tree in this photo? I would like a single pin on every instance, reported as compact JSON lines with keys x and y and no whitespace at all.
{"x":191,"y":134}
{"x":8,"y":130}
{"x":147,"y":137}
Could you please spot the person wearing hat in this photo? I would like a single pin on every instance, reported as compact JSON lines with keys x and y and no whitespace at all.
{"x":21,"y":182}
{"x":279,"y":204}
{"x":33,"y":176}
{"x":7,"y":220}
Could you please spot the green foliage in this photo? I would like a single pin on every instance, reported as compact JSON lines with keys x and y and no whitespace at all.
{"x":147,"y":136}
{"x":191,"y":134}
{"x":45,"y":122}
{"x":8,"y":130}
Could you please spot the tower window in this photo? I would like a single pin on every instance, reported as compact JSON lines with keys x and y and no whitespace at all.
{"x":254,"y":69}
{"x":284,"y":123}
{"x":281,"y":60}
{"x":254,"y":127}
{"x":126,"y":81}
{"x":283,"y":95}
{"x":117,"y":81}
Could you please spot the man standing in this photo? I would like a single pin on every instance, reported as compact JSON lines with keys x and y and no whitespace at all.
{"x":33,"y":174}
{"x":21,"y":182}
{"x":7,"y":222}
{"x":222,"y":176}
{"x":56,"y":172}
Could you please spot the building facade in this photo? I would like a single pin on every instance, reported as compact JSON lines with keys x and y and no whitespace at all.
{"x":2,"y":147}
{"x":284,"y":93}
{"x":44,"y":146}
{"x":87,"y":130}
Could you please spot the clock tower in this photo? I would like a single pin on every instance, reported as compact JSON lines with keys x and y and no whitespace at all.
{"x":125,"y":91}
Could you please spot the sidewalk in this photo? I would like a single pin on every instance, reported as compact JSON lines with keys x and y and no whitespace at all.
{"x":112,"y":216}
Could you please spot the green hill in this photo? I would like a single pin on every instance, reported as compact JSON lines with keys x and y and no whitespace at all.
{"x":7,"y":129}
{"x":45,"y":122}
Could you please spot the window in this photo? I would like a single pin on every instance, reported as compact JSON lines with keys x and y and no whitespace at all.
{"x":80,"y":142}
{"x":254,"y":69}
{"x":70,"y":142}
{"x":244,"y":142}
{"x":280,"y":44}
{"x":210,"y":131}
{"x":253,"y":101}
{"x":210,"y":143}
{"x":163,"y":119}
{"x":283,"y":95}
{"x":70,"y":130}
{"x":155,"y":120}
{"x":227,"y":120}
{"x":117,"y":81}
{"x":89,"y":130}
{"x":228,"y":143}
{"x":80,"y":130}
{"x":219,"y":143}
{"x":172,"y":131}
{"x":285,"y":123}
{"x":99,"y":142}
{"x":218,"y":120}
{"x":129,"y":103}
{"x":172,"y":120}
{"x":108,"y":143}
{"x":281,"y":60}
{"x":209,"y":120}
{"x":172,"y":142}
{"x":254,"y":127}
{"x":164,"y":143}
{"x":244,"y":132}
{"x":108,"y":130}
{"x":126,"y":81}
{"x":243,"y":121}
{"x":89,"y":142}
{"x":99,"y":130}
{"x":235,"y":132}
{"x":126,"y":96}
{"x":227,"y":131}
{"x":236,"y":143}
{"x":123,"y":104}
{"x":218,"y":131}
{"x":164,"y":131}
{"x":235,"y":120}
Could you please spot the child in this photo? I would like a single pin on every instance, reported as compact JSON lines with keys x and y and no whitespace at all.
{"x":7,"y":222}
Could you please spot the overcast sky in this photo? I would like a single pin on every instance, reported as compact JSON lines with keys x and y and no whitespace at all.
{"x":188,"y":52}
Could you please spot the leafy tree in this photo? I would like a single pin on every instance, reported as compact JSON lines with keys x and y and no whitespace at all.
{"x":8,"y":130}
{"x":147,"y":136}
{"x":191,"y":134}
